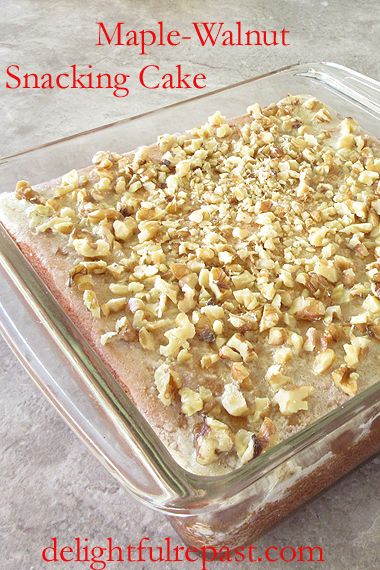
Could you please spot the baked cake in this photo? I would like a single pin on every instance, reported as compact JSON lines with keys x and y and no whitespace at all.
{"x":228,"y":276}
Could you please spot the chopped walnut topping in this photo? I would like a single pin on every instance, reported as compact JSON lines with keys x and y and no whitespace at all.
{"x":167,"y":382}
{"x":275,"y":376}
{"x":267,"y":431}
{"x":107,"y":337}
{"x":372,"y":305}
{"x":243,"y":348}
{"x":233,"y":401}
{"x":147,"y":339}
{"x":283,"y":355}
{"x":292,"y":401}
{"x":270,"y":318}
{"x":313,"y":339}
{"x":355,"y":351}
{"x":261,"y":407}
{"x":25,"y":192}
{"x":191,"y":401}
{"x":346,"y":379}
{"x":124,"y":230}
{"x":84,"y":247}
{"x":368,"y":177}
{"x":214,"y":437}
{"x":323,"y":361}
{"x":114,"y":305}
{"x":91,"y":303}
{"x":309,"y":309}
{"x":239,"y":372}
{"x":247,"y":445}
{"x":208,"y":360}
{"x":178,"y":336}
{"x":237,"y":244}
{"x":277,"y":336}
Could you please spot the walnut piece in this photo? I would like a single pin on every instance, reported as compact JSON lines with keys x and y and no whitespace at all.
{"x":167,"y":382}
{"x":233,"y":400}
{"x":292,"y":401}
{"x":214,"y":438}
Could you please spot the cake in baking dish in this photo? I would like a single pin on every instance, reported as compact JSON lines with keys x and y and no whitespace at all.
{"x":228,"y":276}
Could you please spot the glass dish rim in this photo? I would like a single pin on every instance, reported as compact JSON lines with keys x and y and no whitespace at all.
{"x":248,"y":474}
{"x":125,"y":120}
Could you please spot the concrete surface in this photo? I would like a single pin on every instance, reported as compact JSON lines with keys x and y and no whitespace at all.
{"x":50,"y":484}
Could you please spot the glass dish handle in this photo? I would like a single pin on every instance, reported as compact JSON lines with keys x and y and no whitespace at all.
{"x":352,"y":85}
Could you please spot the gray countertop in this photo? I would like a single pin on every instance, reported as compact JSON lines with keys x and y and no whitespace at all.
{"x":50,"y":484}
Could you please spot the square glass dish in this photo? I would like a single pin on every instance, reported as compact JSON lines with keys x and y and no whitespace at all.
{"x":227,"y":509}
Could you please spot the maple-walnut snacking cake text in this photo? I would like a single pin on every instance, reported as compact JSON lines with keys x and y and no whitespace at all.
{"x":229,"y":276}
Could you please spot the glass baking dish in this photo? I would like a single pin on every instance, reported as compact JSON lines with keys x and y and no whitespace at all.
{"x":228,"y":509}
